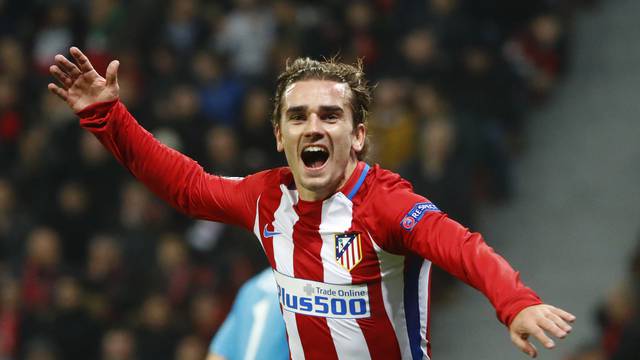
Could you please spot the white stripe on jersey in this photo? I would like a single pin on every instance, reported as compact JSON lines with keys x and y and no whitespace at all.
{"x":347,"y":336}
{"x":423,"y":300}
{"x":392,"y":284}
{"x":295,"y":345}
{"x":285,"y":217}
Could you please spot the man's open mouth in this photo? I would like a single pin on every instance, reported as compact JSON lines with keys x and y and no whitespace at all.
{"x":314,"y":156}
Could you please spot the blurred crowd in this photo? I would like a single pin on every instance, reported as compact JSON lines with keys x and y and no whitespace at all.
{"x":93,"y":267}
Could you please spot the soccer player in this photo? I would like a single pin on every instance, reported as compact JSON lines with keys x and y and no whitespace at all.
{"x":254,"y":328}
{"x":351,"y":245}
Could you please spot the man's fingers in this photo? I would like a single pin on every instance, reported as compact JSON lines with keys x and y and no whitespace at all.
{"x":567,"y":316}
{"x":112,"y":73}
{"x":81,"y":59}
{"x":553,"y":328}
{"x":543,"y":338}
{"x":60,"y":92}
{"x":67,"y":66}
{"x":61,"y":76}
{"x":524,"y":345}
{"x":560,"y":322}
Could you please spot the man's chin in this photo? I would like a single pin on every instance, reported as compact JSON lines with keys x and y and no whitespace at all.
{"x":318,"y":184}
{"x":315,"y":183}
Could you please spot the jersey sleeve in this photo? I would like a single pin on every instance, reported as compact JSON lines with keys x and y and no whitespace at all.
{"x":224,"y":342}
{"x":174,"y":177}
{"x":417,"y":226}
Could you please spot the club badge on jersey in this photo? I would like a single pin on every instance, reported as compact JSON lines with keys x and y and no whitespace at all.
{"x":348,"y":250}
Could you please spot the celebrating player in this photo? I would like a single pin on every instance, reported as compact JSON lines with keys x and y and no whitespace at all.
{"x":351,"y":246}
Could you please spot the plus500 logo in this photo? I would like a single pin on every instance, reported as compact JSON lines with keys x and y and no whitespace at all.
{"x":324,"y":306}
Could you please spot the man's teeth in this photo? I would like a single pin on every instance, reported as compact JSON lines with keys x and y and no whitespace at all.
{"x":314,"y":148}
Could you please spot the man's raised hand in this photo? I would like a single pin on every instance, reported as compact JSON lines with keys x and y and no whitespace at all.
{"x":79,"y":84}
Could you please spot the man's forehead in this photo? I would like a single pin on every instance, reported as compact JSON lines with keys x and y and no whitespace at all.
{"x":316,"y":92}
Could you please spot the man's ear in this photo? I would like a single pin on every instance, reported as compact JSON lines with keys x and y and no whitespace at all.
{"x":278,"y":134}
{"x":359,"y":137}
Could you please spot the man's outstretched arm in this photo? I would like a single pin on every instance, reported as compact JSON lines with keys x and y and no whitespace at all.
{"x":468,"y":257}
{"x":417,"y":225}
{"x":173,"y":176}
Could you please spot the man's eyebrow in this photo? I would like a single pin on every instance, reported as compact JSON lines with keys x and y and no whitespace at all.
{"x":323,"y":108}
{"x":331,"y":108}
{"x":297,"y":109}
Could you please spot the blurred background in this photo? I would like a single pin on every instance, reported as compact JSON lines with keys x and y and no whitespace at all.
{"x":518,"y":118}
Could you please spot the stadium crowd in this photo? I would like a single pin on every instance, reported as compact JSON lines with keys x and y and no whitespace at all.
{"x":92,"y":266}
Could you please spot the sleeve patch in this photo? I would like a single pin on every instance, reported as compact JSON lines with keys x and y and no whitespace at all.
{"x":416,"y":213}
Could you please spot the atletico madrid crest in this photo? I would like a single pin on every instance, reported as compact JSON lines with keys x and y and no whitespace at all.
{"x":348,"y":250}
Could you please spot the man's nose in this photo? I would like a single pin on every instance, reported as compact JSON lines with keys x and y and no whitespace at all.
{"x":314,"y":125}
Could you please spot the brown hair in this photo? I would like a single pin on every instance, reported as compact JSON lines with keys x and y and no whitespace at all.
{"x":307,"y":69}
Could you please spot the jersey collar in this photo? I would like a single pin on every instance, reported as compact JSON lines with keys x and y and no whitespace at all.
{"x":351,"y":187}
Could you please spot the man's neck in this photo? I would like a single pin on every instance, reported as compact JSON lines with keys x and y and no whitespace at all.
{"x":322,"y":194}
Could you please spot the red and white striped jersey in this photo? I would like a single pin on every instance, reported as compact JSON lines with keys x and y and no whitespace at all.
{"x":352,"y":270}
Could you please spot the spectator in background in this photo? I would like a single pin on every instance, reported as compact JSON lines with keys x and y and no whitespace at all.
{"x":422,"y":58}
{"x":156,"y":335}
{"x":106,"y":281}
{"x":73,"y":222}
{"x":42,"y":268}
{"x":106,"y":19}
{"x":118,"y":344}
{"x":190,"y":347}
{"x":206,"y":314}
{"x":222,"y":152}
{"x":14,"y":224}
{"x":219,"y":91}
{"x":446,"y":18}
{"x":54,"y":36}
{"x":75,"y":333}
{"x":98,"y":172}
{"x":621,"y":315}
{"x":174,"y":274}
{"x":536,"y":54}
{"x":392,"y":125}
{"x":183,"y":29}
{"x":255,"y":134}
{"x":246,"y":37}
{"x":487,"y":91}
{"x":11,"y":121}
{"x":362,"y":34}
{"x":180,"y":111}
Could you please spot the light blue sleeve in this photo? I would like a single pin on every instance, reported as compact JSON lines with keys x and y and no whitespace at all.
{"x":242,"y":335}
{"x":223,"y":342}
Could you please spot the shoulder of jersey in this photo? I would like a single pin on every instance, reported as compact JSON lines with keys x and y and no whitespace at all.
{"x":385,"y":183}
{"x":274,"y":176}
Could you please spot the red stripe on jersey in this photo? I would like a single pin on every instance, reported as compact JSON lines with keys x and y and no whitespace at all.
{"x":377,"y":330}
{"x":314,"y":332}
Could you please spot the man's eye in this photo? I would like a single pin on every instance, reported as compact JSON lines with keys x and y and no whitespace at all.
{"x":333,"y":116}
{"x":296,"y":117}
